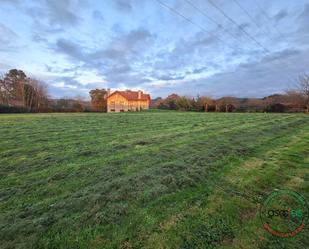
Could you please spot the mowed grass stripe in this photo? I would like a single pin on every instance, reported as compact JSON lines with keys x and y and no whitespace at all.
{"x":190,"y":137}
{"x":194,"y":204}
{"x":77,"y":144}
{"x":217,"y":127}
{"x":91,"y":189}
{"x":146,"y":217}
{"x":41,"y":174}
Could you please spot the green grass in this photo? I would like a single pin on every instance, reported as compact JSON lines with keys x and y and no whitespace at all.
{"x":147,"y":180}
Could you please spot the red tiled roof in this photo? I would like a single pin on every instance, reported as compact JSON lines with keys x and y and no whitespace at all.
{"x":132,"y":95}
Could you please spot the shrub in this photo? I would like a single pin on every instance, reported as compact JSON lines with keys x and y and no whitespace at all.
{"x":12,"y":109}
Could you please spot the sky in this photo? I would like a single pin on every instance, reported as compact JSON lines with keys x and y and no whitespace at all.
{"x":241,"y":48}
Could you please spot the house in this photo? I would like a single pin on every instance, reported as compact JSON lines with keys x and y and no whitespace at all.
{"x":123,"y":101}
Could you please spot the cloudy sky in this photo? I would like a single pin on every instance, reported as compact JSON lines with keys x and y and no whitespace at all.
{"x":239,"y":48}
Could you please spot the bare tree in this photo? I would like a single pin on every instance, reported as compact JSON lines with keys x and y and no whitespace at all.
{"x":78,"y":104}
{"x":35,"y":94}
{"x":207,"y":102}
{"x":303,"y":86}
{"x":3,"y":91}
{"x":6,"y":90}
{"x":226,"y":103}
{"x":295,"y":98}
{"x":42,"y":94}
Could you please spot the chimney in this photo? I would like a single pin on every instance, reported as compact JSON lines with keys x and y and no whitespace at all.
{"x":108,"y":92}
{"x":139,"y":94}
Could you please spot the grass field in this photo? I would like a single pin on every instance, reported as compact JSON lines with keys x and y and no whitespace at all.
{"x":147,"y":180}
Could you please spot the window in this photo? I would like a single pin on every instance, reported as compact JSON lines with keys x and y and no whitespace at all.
{"x":112,"y":106}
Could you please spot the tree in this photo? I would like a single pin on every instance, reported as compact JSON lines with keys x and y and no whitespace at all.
{"x":99,"y":99}
{"x":227,"y":103}
{"x":16,"y":89}
{"x":251,"y":105}
{"x":170,"y":102}
{"x":201,"y":103}
{"x":15,"y":81}
{"x":63,"y":103}
{"x":78,"y":104}
{"x":208,"y":103}
{"x":296,"y":99}
{"x":30,"y":97}
{"x":183,"y":104}
{"x":155,"y":103}
{"x":35,"y":95}
{"x":303,"y":86}
{"x":3,"y":91}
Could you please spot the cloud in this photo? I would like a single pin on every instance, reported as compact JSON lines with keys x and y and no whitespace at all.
{"x":282,"y":55}
{"x":61,"y":12}
{"x":48,"y":68}
{"x":4,"y":68}
{"x":281,"y":15}
{"x":120,"y":48}
{"x":125,"y":45}
{"x":168,"y":77}
{"x":120,"y":69}
{"x":135,"y":44}
{"x":10,"y":42}
{"x":244,"y":25}
{"x":7,"y":35}
{"x":124,"y":5}
{"x":66,"y":91}
{"x":304,"y":19}
{"x":97,"y":15}
{"x":256,"y":78}
{"x":194,"y":55}
{"x":197,"y":70}
{"x":116,"y":61}
{"x":53,"y":17}
{"x":50,"y":17}
{"x":71,"y":49}
{"x":70,"y":86}
{"x":13,"y":2}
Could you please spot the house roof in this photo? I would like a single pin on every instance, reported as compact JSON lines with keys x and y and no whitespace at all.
{"x":131,"y":95}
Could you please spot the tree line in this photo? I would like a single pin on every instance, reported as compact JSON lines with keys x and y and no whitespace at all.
{"x":20,"y":93}
{"x":291,"y":102}
{"x":295,"y":100}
